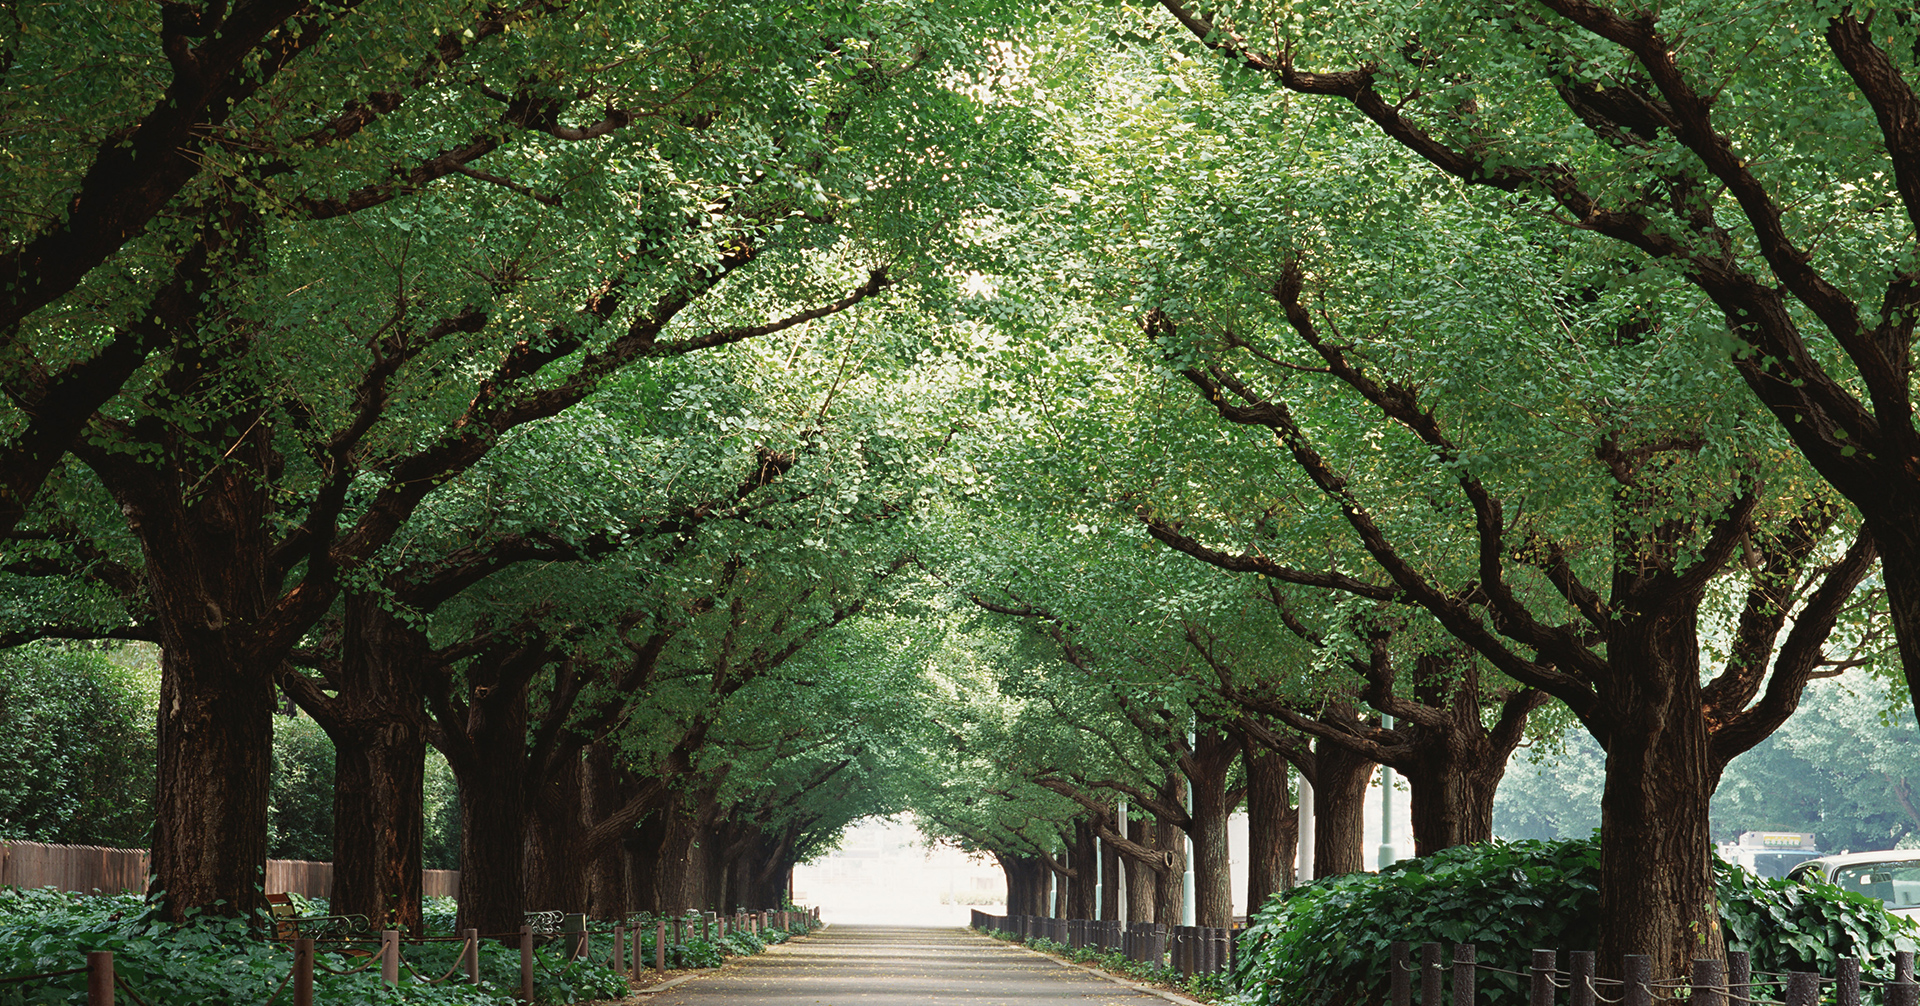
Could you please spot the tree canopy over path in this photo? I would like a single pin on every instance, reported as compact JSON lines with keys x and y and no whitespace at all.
{"x":710,"y":424}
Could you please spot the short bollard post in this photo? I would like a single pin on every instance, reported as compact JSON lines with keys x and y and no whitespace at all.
{"x":1542,"y":967}
{"x":1465,"y":971}
{"x":99,"y":978}
{"x":1580,"y":963}
{"x":303,"y":971}
{"x":472,"y":953}
{"x":619,"y":948}
{"x":1803,"y":988}
{"x":526,"y":964}
{"x":1638,"y":972}
{"x":1846,"y":984}
{"x":1430,"y":981}
{"x":1399,"y":975}
{"x":390,"y":956}
{"x":1739,"y":974}
{"x":1709,"y":983}
{"x":660,"y":945}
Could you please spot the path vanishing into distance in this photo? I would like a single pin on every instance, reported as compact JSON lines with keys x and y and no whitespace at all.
{"x":889,"y":965}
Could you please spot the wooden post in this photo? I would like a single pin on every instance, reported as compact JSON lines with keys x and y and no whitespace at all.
{"x":1580,"y":963}
{"x":1400,"y":978}
{"x":619,"y":945}
{"x":639,"y":957}
{"x":1803,"y":988}
{"x":1638,"y":972}
{"x":1739,"y":971}
{"x":660,"y":945}
{"x":472,"y":953}
{"x":303,"y":971}
{"x":1903,"y":991}
{"x":1465,"y":973}
{"x":1709,"y":983}
{"x":1430,"y":974}
{"x":526,"y":964}
{"x":99,"y":978}
{"x":1847,"y":981}
{"x":1542,"y":967}
{"x":390,"y":956}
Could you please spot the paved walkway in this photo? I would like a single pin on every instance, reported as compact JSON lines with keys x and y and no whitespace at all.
{"x":895,"y":966}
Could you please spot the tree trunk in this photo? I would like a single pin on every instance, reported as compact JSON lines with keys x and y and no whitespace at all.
{"x":488,"y":757}
{"x":556,"y":875}
{"x":606,"y":880}
{"x":1339,"y":802}
{"x":1026,"y":883}
{"x":1110,"y":890}
{"x":1143,"y":882}
{"x":378,"y":726}
{"x":677,"y":864}
{"x":1656,"y":871}
{"x":1213,"y":756}
{"x":206,"y":552}
{"x":1452,"y":789}
{"x":1170,"y":888}
{"x":1273,"y":827}
{"x":1083,"y":852}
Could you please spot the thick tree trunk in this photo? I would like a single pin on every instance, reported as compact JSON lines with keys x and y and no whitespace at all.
{"x":556,"y":874}
{"x":1110,"y":890}
{"x":488,"y":755}
{"x":1452,"y":780}
{"x":1081,"y":852}
{"x":1339,"y":801}
{"x":206,"y":553}
{"x":1273,"y":827}
{"x":1656,"y":870}
{"x":678,"y":864}
{"x":606,"y":874}
{"x":1214,"y":753}
{"x":1896,"y":533}
{"x":1143,"y":882}
{"x":378,"y":726}
{"x":1026,"y":883}
{"x":1170,"y":888}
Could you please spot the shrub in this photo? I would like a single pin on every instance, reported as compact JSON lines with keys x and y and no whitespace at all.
{"x":1328,"y":943}
{"x":225,"y":960}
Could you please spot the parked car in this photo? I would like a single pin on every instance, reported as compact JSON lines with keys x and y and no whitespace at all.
{"x":1893,"y":876}
{"x":1770,"y":854}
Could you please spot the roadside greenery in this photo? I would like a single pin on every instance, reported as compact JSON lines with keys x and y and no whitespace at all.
{"x":1328,"y":943}
{"x":76,"y":748}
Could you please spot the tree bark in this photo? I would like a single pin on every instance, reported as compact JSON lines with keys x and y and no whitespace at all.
{"x":1339,"y":800}
{"x":206,"y":549}
{"x":1656,"y":870}
{"x":1213,"y":756}
{"x":1082,"y":853}
{"x":1273,"y":826}
{"x":1143,"y":883}
{"x":556,"y":873}
{"x":1170,"y":887}
{"x":1110,"y":889}
{"x":607,"y":880}
{"x":377,"y":722}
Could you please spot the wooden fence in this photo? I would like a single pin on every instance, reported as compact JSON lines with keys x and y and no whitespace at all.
{"x":90,"y":869}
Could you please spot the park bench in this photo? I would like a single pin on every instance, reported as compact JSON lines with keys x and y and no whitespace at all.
{"x":289,"y":924}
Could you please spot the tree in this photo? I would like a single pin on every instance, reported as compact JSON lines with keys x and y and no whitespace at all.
{"x":1688,"y":138}
{"x":251,"y":466}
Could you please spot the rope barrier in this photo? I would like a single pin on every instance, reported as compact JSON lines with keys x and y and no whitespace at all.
{"x":121,"y":981}
{"x":278,"y":989}
{"x":364,"y":965}
{"x":50,"y":974}
{"x":457,"y":961}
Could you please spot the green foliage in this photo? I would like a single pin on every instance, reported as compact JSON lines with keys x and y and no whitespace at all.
{"x":1328,"y":943}
{"x":440,"y":832}
{"x":225,"y":960}
{"x":76,"y":748}
{"x":300,"y":797}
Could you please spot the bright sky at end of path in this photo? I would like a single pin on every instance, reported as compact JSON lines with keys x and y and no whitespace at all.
{"x":883,"y":874}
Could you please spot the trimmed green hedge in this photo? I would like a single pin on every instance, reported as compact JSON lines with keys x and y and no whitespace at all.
{"x":1327,"y":943}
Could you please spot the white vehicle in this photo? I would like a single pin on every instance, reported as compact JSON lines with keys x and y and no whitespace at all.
{"x":1892,"y":876}
{"x":1769,"y":854}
